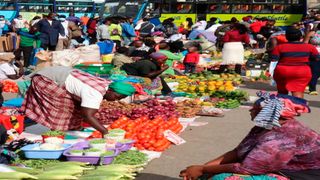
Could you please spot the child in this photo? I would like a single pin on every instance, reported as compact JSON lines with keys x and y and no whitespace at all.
{"x":192,"y":59}
{"x":28,"y":38}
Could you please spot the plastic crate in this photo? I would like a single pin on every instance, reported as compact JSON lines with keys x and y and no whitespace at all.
{"x":95,"y":69}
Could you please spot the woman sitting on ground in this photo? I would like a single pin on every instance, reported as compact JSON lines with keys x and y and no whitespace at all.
{"x":277,"y":144}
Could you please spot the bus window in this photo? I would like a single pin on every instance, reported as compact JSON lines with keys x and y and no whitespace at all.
{"x":262,"y":1}
{"x":261,"y":8}
{"x":201,"y":8}
{"x":165,"y":8}
{"x":241,"y":8}
{"x":225,"y":8}
{"x":183,"y":8}
{"x":7,"y":6}
{"x":214,"y":8}
{"x":240,"y":1}
{"x":279,"y":8}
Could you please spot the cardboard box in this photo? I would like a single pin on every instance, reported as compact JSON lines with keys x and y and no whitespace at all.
{"x":3,"y":44}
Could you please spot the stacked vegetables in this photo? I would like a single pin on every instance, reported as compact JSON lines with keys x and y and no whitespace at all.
{"x":111,"y":111}
{"x":113,"y":172}
{"x":148,"y":134}
{"x":131,"y":157}
{"x":228,"y":104}
{"x":188,"y":108}
{"x":10,"y":86}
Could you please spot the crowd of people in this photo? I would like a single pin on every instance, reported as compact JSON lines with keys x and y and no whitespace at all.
{"x":277,"y":143}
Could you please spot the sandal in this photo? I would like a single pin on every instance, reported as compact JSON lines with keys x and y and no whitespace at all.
{"x":313,"y":93}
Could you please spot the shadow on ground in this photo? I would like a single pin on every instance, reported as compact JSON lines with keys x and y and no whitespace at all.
{"x":314,"y":104}
{"x":147,"y":176}
{"x":258,"y":86}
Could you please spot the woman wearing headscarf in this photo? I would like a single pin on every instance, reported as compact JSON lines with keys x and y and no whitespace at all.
{"x":60,"y":98}
{"x":293,"y":72}
{"x":277,"y":144}
{"x":152,"y":69}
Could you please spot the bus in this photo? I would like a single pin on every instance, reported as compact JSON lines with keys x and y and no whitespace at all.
{"x":31,"y":8}
{"x":285,"y":12}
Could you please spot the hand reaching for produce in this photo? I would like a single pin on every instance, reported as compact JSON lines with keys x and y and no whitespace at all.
{"x":192,"y":172}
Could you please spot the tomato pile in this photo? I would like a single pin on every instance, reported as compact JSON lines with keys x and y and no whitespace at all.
{"x":147,"y":133}
{"x":10,"y":86}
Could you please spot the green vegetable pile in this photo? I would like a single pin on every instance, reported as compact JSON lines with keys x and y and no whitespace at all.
{"x":36,"y":163}
{"x":112,"y":172}
{"x":131,"y":157}
{"x":54,"y":133}
{"x":235,"y":95}
{"x":55,"y":170}
{"x":228,"y":104}
{"x":98,"y":141}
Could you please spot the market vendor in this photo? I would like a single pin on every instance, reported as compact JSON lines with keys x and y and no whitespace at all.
{"x":61,"y":97}
{"x":277,"y":144}
{"x":150,"y":68}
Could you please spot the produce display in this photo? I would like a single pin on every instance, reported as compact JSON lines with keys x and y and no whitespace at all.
{"x":10,"y":86}
{"x":206,"y":83}
{"x":112,"y":172}
{"x":236,"y":95}
{"x":131,"y":157}
{"x":188,"y":108}
{"x":111,"y":111}
{"x":228,"y":104}
{"x":147,"y":133}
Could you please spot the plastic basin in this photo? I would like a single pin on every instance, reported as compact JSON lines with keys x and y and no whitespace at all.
{"x":95,"y":160}
{"x":31,"y":153}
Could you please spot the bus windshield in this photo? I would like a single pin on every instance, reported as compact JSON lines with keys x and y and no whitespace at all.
{"x":122,"y":8}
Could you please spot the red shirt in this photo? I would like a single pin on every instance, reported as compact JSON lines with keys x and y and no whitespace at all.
{"x":256,"y":26}
{"x":294,"y":52}
{"x":235,"y":36}
{"x":192,"y":57}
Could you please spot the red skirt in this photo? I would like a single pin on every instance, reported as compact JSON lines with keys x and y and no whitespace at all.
{"x":51,"y":105}
{"x":292,"y":78}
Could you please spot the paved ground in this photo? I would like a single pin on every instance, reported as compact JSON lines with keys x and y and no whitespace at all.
{"x":220,"y":135}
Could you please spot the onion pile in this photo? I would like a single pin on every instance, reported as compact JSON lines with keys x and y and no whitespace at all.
{"x":165,"y":109}
{"x":111,"y":111}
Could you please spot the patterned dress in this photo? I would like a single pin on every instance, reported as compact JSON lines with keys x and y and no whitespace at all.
{"x":51,"y":105}
{"x":292,"y":147}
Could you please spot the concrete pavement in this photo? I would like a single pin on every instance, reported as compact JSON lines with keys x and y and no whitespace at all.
{"x":219,"y":136}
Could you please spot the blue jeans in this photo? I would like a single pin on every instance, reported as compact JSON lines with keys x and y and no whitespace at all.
{"x":315,"y":69}
{"x":189,"y":68}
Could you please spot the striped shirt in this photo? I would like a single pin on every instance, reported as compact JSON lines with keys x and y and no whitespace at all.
{"x":294,"y":53}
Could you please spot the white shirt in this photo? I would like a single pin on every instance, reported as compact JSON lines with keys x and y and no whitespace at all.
{"x":213,"y":28}
{"x":19,"y":23}
{"x":50,"y":22}
{"x":90,"y":98}
{"x":7,"y":69}
{"x":65,"y":25}
{"x":200,"y":25}
{"x":103,"y":32}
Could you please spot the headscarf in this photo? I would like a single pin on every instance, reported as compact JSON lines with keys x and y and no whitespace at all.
{"x":158,"y":56}
{"x":275,"y":106}
{"x":122,"y":88}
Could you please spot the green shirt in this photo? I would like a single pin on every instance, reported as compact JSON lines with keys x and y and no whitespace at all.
{"x":171,"y":58}
{"x":27,"y":39}
{"x":111,"y":28}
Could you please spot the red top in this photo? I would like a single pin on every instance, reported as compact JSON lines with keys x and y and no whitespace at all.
{"x":294,"y":53}
{"x":192,"y":57}
{"x":256,"y":26}
{"x":235,"y":36}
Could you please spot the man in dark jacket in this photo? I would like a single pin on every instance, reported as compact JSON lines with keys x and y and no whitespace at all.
{"x":50,"y":28}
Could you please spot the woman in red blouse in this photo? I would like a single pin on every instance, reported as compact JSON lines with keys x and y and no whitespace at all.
{"x":293,"y":72}
{"x":233,"y":51}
